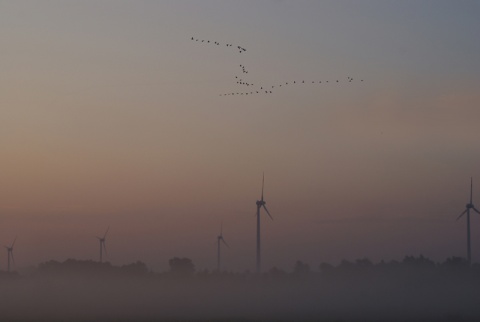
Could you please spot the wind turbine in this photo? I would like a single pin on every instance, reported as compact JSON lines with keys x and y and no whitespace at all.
{"x":10,"y":254}
{"x":467,"y":211}
{"x":102,"y":244}
{"x":219,"y":240}
{"x":260,"y":203}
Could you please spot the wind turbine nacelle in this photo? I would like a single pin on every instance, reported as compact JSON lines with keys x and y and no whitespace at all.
{"x":260,"y":203}
{"x":469,"y":205}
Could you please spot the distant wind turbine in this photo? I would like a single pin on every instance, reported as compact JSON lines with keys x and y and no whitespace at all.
{"x":102,"y":244}
{"x":219,"y":240}
{"x":260,"y":203}
{"x":10,"y":254}
{"x":467,"y":211}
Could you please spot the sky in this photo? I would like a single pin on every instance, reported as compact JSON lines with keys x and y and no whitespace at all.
{"x":111,"y":116}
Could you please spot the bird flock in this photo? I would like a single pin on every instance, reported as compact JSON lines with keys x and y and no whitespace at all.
{"x":248,"y":88}
{"x":240,"y":48}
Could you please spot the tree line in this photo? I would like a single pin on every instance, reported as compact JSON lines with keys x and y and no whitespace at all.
{"x":185,"y":268}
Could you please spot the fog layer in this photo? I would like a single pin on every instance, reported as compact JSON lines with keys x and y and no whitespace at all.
{"x":409,"y":291}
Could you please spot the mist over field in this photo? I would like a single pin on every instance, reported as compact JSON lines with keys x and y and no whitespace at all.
{"x":415,"y":289}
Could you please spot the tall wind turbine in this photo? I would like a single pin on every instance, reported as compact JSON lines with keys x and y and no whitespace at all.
{"x":260,"y":203}
{"x":467,"y":211}
{"x":219,"y":241}
{"x":102,"y":244}
{"x":10,"y":254}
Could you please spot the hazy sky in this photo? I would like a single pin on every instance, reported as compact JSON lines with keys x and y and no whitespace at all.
{"x":111,"y":116}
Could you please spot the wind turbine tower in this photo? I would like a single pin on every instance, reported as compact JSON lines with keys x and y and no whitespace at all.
{"x":10,"y":254}
{"x":102,"y":244}
{"x":467,"y":211}
{"x":260,"y":203}
{"x":219,"y":241}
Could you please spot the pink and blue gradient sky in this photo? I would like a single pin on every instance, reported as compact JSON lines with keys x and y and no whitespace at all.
{"x":110,"y":116}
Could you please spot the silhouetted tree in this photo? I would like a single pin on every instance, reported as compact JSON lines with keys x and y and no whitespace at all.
{"x":137,"y":268}
{"x":73,"y":266}
{"x":420,"y":262}
{"x":363,"y":263}
{"x":456,"y":263}
{"x":387,"y":267}
{"x":276,"y":272}
{"x":181,"y":266}
{"x":326,"y":268}
{"x":346,"y":265}
{"x":301,"y":268}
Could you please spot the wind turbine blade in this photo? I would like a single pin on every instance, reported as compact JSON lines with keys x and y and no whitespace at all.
{"x":268,"y":213}
{"x":14,"y":241}
{"x":463,"y":213}
{"x":476,"y":210}
{"x":263,"y":183}
{"x":471,"y":189}
{"x":106,"y":232}
{"x":223,"y":240}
